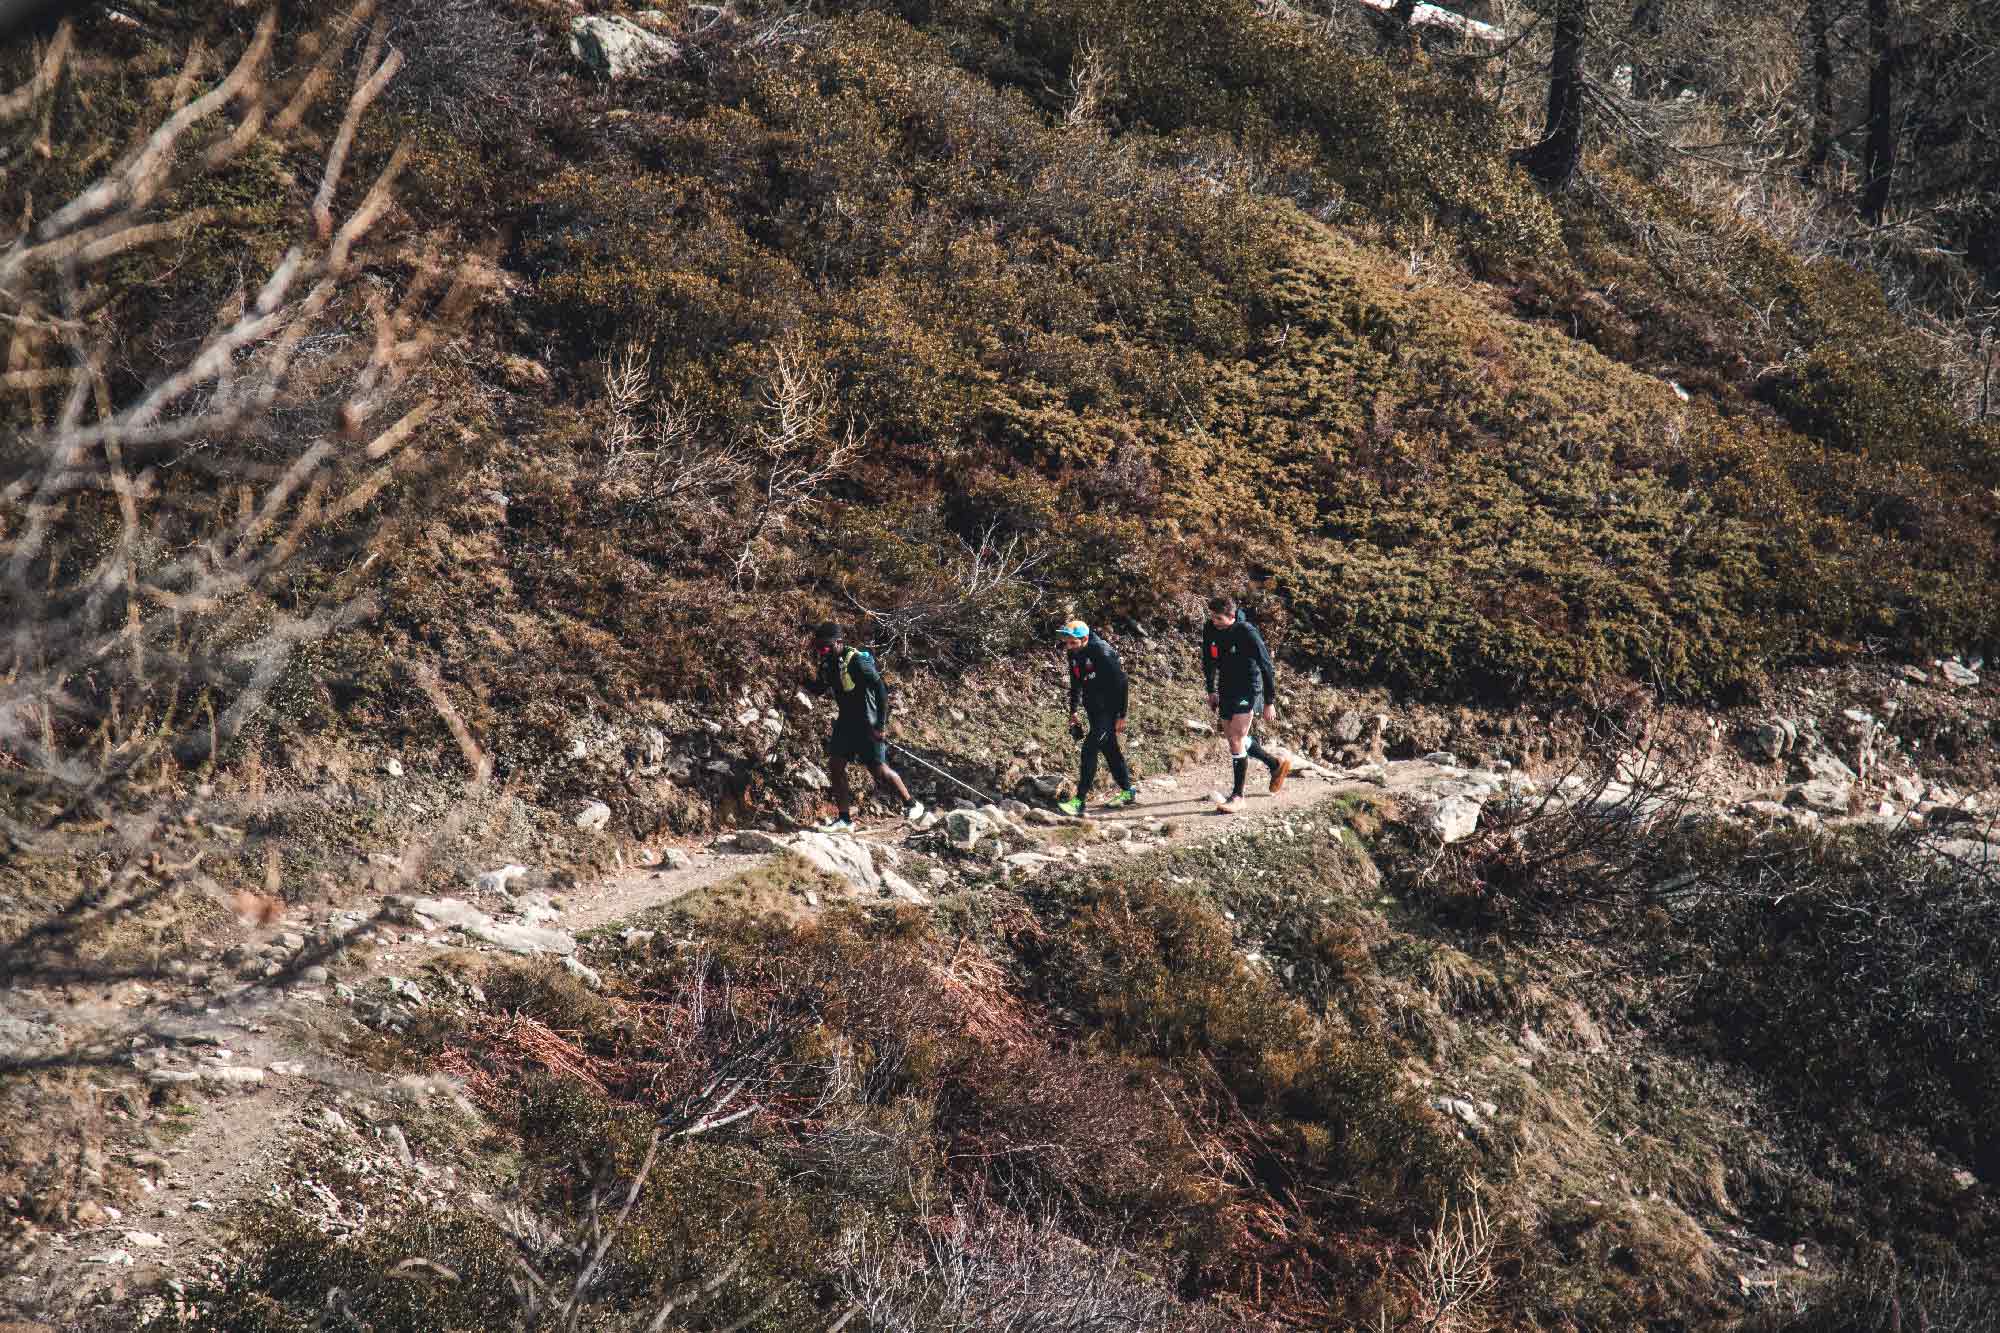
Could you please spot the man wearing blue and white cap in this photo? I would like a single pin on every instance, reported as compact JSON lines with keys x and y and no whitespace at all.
{"x":1098,"y":686}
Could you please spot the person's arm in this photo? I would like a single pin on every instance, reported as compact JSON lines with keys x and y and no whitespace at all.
{"x":1209,"y":665}
{"x":1262,"y":657}
{"x":1075,"y":684}
{"x":869,"y":677}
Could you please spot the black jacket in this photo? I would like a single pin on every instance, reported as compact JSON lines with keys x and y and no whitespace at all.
{"x":855,"y":683}
{"x":1235,"y":661}
{"x":1097,"y":680}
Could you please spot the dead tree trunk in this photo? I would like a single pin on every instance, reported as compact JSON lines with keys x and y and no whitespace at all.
{"x":1554,"y":160}
{"x":1880,"y":164}
{"x":1819,"y":35}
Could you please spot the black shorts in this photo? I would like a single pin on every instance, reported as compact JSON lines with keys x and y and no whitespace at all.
{"x":858,"y":744}
{"x":1233,"y":705}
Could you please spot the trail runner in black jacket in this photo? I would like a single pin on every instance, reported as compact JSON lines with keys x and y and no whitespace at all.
{"x":1241,"y":684}
{"x":860,"y":724}
{"x":1097,"y":686}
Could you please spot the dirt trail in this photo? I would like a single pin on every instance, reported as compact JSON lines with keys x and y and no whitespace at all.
{"x":1183,"y":800}
{"x":236,"y":1139}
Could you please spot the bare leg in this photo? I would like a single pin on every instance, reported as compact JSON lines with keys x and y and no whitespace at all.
{"x":843,"y":795}
{"x":889,"y":780}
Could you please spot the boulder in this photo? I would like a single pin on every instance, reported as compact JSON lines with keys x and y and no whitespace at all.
{"x":1347,"y":727}
{"x":1772,"y":740}
{"x":617,"y":48}
{"x":1452,"y":819}
{"x":496,"y":881}
{"x":1819,"y":766}
{"x":456,"y":914}
{"x":964,"y":828}
{"x":1827,"y":798}
{"x":836,"y":854}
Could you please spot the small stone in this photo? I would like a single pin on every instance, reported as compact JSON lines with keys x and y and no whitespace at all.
{"x":111,"y":1259}
{"x":1453,"y":819}
{"x":595,"y":817}
{"x":288,"y":1068}
{"x":811,"y":776}
{"x":1959,"y":675}
{"x":1443,"y":759}
{"x":233,"y":1076}
{"x":394,"y":1134}
{"x":496,"y":881}
{"x":673,"y":858}
{"x":1964,"y":1179}
{"x":393,"y":767}
{"x":1799,"y":1255}
{"x":1199,"y":726}
{"x":144,"y":1240}
{"x":617,"y":48}
{"x":637,"y":941}
{"x":587,"y":975}
{"x":316,"y":975}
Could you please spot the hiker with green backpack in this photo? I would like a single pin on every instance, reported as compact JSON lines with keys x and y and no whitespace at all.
{"x":1098,"y":691}
{"x":860,"y":724}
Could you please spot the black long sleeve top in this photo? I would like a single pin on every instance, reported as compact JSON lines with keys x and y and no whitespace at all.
{"x":1097,"y":679}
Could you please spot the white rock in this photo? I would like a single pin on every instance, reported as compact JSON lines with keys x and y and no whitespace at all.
{"x":964,"y":828}
{"x":456,"y":914}
{"x":393,"y":767}
{"x":1453,"y":819}
{"x":1828,"y":798}
{"x":617,"y":48}
{"x":758,"y":842}
{"x":1163,"y":784}
{"x":899,"y":887}
{"x":496,"y":881}
{"x":1029,"y":864}
{"x":1199,"y":726}
{"x":673,"y":858}
{"x":144,"y":1240}
{"x":1443,"y":759}
{"x":1908,"y":790}
{"x":594,"y":817}
{"x":812,"y":776}
{"x":111,"y":1258}
{"x":288,"y":1068}
{"x":587,"y":975}
{"x":233,"y":1076}
{"x":1958,"y":675}
{"x":1820,"y":766}
{"x":1458,"y":1108}
{"x":837,"y":854}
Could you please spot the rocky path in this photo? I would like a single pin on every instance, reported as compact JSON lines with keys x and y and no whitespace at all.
{"x":244,"y":1067}
{"x":244,"y":1071}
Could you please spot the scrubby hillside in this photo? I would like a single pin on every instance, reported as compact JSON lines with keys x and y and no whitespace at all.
{"x":413,"y":434}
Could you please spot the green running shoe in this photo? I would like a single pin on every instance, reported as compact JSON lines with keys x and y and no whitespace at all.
{"x":1072,"y":807}
{"x":1126,"y":797}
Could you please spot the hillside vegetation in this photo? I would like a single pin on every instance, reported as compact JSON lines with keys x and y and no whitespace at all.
{"x":430,"y":435}
{"x":1243,"y":296}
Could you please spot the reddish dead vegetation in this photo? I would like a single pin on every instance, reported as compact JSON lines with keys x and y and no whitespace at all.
{"x":850,"y":1025}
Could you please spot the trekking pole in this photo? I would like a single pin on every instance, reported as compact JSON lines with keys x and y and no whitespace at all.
{"x":941,"y":773}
